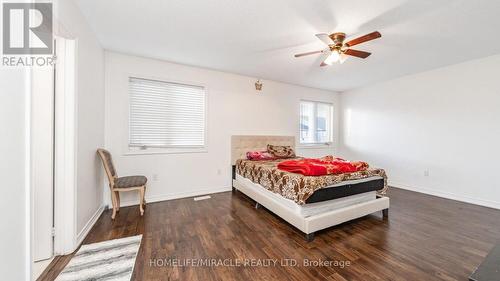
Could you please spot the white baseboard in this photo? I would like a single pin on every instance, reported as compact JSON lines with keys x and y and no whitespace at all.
{"x":39,"y":267}
{"x":447,"y":195}
{"x":88,"y":226}
{"x":164,"y":197}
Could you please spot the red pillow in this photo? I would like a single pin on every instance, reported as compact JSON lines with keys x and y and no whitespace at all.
{"x":260,"y":155}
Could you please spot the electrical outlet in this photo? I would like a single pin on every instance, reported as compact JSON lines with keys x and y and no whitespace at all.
{"x":426,"y":173}
{"x":219,"y":172}
{"x":155,"y":177}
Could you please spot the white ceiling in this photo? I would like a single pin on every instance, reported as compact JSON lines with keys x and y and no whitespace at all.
{"x":259,"y":37}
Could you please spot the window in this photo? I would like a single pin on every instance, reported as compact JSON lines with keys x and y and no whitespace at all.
{"x":166,"y":115}
{"x":315,"y":122}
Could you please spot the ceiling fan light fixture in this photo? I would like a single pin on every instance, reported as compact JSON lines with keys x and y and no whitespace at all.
{"x":333,"y":57}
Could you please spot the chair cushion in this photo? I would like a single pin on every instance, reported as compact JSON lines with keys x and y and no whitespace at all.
{"x":131,"y":181}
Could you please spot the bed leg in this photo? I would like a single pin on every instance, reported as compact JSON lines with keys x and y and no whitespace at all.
{"x":385,"y":213}
{"x":310,"y":237}
{"x":233,"y":176}
{"x":257,"y":205}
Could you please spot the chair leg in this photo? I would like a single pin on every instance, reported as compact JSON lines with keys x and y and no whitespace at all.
{"x":117,"y":201}
{"x":141,"y":202}
{"x":113,"y":201}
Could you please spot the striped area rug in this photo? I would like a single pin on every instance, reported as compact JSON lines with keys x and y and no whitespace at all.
{"x":111,"y":260}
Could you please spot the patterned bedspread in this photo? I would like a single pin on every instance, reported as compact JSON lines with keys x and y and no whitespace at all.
{"x":293,"y":186}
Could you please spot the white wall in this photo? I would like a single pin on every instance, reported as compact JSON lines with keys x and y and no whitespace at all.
{"x":234,"y":108}
{"x":14,"y":229}
{"x":445,"y":121}
{"x":90,"y":112}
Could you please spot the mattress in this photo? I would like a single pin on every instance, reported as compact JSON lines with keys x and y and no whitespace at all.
{"x":347,"y":188}
{"x":300,"y":188}
{"x":310,"y":209}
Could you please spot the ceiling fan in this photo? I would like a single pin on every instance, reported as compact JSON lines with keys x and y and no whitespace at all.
{"x":338,"y":50}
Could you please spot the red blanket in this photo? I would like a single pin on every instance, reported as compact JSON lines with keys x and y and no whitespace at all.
{"x":324,"y":166}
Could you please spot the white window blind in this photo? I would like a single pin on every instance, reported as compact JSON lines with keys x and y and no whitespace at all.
{"x":316,"y":119}
{"x":165,"y":114}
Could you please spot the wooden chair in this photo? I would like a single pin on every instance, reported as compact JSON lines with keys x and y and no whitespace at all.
{"x":119,"y":184}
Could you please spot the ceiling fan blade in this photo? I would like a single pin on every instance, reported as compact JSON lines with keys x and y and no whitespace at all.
{"x":325,"y":38}
{"x":364,"y":38}
{"x":356,"y":53}
{"x":308,"y":53}
{"x":324,"y":57}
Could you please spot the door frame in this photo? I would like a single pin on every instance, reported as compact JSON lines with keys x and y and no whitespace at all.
{"x":42,"y":161}
{"x":65,"y":147}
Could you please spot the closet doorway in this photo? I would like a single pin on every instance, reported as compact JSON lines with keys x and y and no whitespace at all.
{"x":53,"y":111}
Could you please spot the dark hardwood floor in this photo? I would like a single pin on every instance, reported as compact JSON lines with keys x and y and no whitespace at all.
{"x":425,"y":238}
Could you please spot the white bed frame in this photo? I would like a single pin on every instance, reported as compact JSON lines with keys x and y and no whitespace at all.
{"x":241,"y":144}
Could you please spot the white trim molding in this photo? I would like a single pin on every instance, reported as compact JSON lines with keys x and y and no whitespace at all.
{"x":447,"y":195}
{"x":88,"y":226}
{"x":173,"y":196}
{"x":29,"y":194}
{"x":65,"y":149}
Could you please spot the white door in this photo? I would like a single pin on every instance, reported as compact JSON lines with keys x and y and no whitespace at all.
{"x":42,"y":151}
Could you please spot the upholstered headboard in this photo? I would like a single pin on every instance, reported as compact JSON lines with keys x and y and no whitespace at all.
{"x":240,"y":145}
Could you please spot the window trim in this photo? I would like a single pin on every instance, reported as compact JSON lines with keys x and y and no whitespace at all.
{"x":140,"y":150}
{"x":312,"y":145}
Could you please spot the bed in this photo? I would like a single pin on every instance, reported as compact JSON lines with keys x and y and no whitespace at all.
{"x":308,"y":203}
